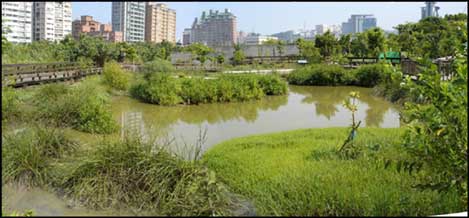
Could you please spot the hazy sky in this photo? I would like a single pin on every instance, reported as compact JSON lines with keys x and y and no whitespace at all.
{"x":272,"y":17}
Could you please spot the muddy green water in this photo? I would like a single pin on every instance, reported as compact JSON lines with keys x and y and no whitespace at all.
{"x":303,"y":107}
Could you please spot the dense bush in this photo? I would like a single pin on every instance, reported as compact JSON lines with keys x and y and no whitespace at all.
{"x":115,"y":76}
{"x":272,"y":85}
{"x":82,"y":107}
{"x":92,"y":109}
{"x":370,"y":75}
{"x":27,"y":155}
{"x":134,"y":174}
{"x":390,"y":86}
{"x":157,"y":66}
{"x":319,"y":74}
{"x":436,"y":133}
{"x":165,"y":90}
{"x":158,"y":89}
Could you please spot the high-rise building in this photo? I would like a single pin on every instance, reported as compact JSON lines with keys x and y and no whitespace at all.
{"x":215,"y":29}
{"x":288,"y":36}
{"x":52,"y":20}
{"x":430,"y":10}
{"x":359,"y":23}
{"x":17,"y":16}
{"x":129,"y":18}
{"x":186,"y":36}
{"x":86,"y":25}
{"x":160,"y":23}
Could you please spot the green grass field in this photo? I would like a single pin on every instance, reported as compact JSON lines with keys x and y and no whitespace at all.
{"x":299,"y":173}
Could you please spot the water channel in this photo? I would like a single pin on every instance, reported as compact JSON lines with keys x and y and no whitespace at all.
{"x":303,"y":107}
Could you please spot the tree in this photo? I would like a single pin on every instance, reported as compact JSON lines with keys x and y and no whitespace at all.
{"x":280,"y":47}
{"x":433,"y":30}
{"x":327,"y":44}
{"x":345,"y":43}
{"x":308,"y":51}
{"x":392,"y":42}
{"x":201,"y":51}
{"x":407,"y":38}
{"x":359,"y":45}
{"x":376,"y":41}
{"x":238,"y":55}
{"x":220,"y":59}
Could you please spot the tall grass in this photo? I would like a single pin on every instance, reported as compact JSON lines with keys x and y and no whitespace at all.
{"x":299,"y":173}
{"x":27,"y":155}
{"x":83,"y":107}
{"x":136,"y":174}
{"x":10,"y":102}
{"x":165,"y":90}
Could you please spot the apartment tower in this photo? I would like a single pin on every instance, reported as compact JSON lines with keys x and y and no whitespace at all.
{"x":215,"y":29}
{"x":129,"y":18}
{"x":160,"y":23}
{"x":52,"y":21}
{"x":17,"y":16}
{"x":358,"y":23}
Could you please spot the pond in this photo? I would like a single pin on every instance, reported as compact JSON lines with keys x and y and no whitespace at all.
{"x":303,"y":107}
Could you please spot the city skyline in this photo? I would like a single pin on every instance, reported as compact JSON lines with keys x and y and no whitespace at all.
{"x":307,"y":14}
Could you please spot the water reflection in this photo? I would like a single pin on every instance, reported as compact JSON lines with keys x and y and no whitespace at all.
{"x":303,"y":107}
{"x":163,"y":117}
{"x":328,"y":100}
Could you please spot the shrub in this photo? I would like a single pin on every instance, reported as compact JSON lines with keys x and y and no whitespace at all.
{"x":246,"y":87}
{"x":436,"y":133}
{"x":52,"y":105}
{"x":92,"y":110}
{"x":28,"y":154}
{"x":165,"y":90}
{"x":390,"y":86}
{"x":370,"y":75}
{"x":157,"y":66}
{"x":115,"y":76}
{"x":319,"y":74}
{"x":272,"y":85}
{"x":82,"y":107}
{"x":159,"y":89}
{"x":193,"y":91}
{"x":135,"y":174}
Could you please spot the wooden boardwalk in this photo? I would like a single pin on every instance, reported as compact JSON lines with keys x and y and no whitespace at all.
{"x":20,"y":75}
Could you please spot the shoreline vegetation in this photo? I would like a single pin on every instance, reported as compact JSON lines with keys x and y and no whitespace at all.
{"x":320,"y":181}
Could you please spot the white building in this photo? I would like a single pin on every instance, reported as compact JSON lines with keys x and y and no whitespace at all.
{"x":17,"y":16}
{"x":257,"y":39}
{"x":323,"y":28}
{"x":129,"y":18}
{"x":52,"y":21}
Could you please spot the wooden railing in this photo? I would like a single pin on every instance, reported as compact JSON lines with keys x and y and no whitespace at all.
{"x":18,"y":75}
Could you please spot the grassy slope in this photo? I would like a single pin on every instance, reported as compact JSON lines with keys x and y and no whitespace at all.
{"x":296,"y":173}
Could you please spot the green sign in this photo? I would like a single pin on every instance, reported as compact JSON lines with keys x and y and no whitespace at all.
{"x":390,"y":55}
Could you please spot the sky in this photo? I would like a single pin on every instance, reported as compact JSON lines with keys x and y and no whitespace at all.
{"x":273,"y":17}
